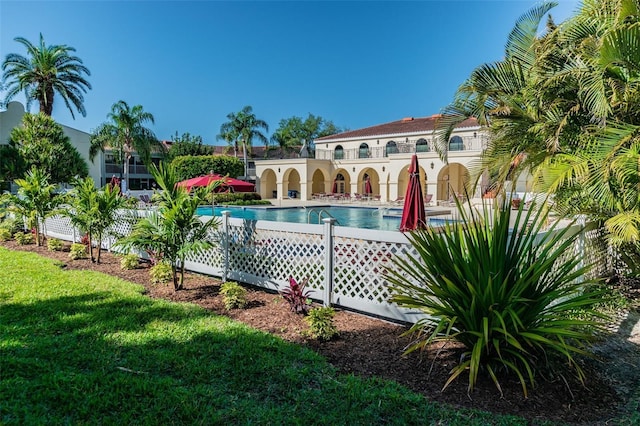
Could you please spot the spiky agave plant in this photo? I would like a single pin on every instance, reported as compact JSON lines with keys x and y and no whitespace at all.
{"x":503,"y":288}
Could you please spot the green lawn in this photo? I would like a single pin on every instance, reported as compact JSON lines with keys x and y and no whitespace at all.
{"x":85,"y":348}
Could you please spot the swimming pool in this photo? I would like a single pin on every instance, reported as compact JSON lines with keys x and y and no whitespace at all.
{"x":382,"y":218}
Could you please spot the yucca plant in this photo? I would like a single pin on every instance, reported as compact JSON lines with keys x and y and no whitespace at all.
{"x":510,"y":293}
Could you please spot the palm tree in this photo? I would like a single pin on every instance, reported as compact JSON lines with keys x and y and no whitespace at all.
{"x":501,"y":97}
{"x":174,"y":230}
{"x":94,"y":211}
{"x":45,"y":71}
{"x":124,"y":134}
{"x":242,"y":128}
{"x":35,"y":200}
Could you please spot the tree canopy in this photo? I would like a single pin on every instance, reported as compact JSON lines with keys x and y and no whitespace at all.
{"x":41,"y":143}
{"x":563,"y":106}
{"x":293,"y":132}
{"x":189,"y":166}
{"x":45,"y":71}
{"x":187,"y":145}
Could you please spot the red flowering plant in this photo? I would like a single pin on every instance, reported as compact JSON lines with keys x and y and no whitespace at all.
{"x":297,"y":296}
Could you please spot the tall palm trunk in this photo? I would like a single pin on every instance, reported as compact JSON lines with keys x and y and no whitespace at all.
{"x":46,"y":102}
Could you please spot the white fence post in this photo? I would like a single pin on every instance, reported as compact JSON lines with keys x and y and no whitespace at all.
{"x":225,"y":244}
{"x":328,"y":260}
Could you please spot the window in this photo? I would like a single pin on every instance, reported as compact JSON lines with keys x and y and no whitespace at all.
{"x":391,"y":148}
{"x":422,"y":145}
{"x":363,"y":151}
{"x":456,"y":144}
{"x":338,"y":154}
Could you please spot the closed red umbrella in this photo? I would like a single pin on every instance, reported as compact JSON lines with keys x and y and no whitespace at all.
{"x":335,"y":186}
{"x":367,"y":186}
{"x":413,"y":214}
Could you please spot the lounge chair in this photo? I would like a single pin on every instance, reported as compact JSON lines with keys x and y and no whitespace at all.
{"x":427,"y":199}
{"x":398,"y":201}
{"x":145,"y":200}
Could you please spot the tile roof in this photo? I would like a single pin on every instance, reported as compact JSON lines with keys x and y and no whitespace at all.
{"x":405,"y":126}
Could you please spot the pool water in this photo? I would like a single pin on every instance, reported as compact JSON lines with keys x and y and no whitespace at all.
{"x":386,"y":219}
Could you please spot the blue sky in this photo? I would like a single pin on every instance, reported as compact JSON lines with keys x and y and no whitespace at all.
{"x":190,"y":63}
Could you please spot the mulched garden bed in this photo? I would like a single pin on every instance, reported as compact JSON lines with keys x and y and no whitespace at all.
{"x":370,"y":347}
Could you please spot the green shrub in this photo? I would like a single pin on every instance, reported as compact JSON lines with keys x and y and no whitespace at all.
{"x":509,"y":294}
{"x":12,"y":225}
{"x":54,"y":244}
{"x":239,"y":198}
{"x":78,"y":251}
{"x":160,"y":273}
{"x":5,"y":234}
{"x":234,"y":295}
{"x":129,"y":261}
{"x":321,"y":324}
{"x":23,"y":238}
{"x":189,"y":166}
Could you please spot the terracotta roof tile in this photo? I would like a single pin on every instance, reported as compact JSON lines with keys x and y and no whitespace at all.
{"x":406,"y":125}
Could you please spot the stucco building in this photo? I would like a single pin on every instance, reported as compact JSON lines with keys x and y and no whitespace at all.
{"x":344,"y":162}
{"x":103,"y":166}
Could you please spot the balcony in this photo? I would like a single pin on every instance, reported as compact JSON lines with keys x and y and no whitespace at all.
{"x":467,"y":143}
{"x":134,"y":169}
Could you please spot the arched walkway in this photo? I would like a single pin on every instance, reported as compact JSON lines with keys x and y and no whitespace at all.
{"x":341,"y":182}
{"x":268,"y":184}
{"x":291,"y":182}
{"x":319,"y":182}
{"x":372,"y":176}
{"x":453,"y":178}
{"x":403,"y":180}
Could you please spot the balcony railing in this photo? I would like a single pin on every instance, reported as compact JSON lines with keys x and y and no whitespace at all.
{"x":469,"y":143}
{"x":134,"y":169}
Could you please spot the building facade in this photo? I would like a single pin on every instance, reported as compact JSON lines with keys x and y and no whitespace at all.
{"x":101,"y":169}
{"x":374,"y":162}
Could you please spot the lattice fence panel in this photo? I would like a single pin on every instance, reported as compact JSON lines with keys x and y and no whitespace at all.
{"x":59,"y":227}
{"x":210,"y":260}
{"x":275,"y":255}
{"x":122,"y":227}
{"x":359,"y":267}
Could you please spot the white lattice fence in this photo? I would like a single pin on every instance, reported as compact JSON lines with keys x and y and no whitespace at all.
{"x":361,"y":257}
{"x":60,"y":227}
{"x":345,"y":266}
{"x":268,"y":253}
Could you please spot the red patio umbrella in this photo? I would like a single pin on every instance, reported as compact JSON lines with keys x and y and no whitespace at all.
{"x":237,"y":184}
{"x":413,"y":214}
{"x":335,"y":187}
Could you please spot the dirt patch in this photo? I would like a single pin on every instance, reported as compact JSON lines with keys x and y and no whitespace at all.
{"x":371,"y":347}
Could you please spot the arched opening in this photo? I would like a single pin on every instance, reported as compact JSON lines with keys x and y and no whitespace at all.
{"x":363,"y":151}
{"x":291,"y":181}
{"x":390,"y":148}
{"x":422,"y":145}
{"x":456,"y":144}
{"x":403,"y":180}
{"x":341,"y":182}
{"x":452,"y":179}
{"x":369,"y":183}
{"x":268,"y":184}
{"x":317,"y":182}
{"x":338,"y":153}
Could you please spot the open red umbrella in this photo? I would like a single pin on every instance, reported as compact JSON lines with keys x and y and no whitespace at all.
{"x":413,"y":214}
{"x":237,"y":184}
